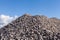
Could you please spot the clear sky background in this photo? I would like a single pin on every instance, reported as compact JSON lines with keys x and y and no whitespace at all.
{"x":50,"y":8}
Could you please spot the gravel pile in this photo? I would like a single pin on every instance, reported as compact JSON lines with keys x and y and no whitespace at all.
{"x":29,"y":27}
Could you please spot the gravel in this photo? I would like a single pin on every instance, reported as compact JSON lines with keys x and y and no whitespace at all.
{"x":27,"y":27}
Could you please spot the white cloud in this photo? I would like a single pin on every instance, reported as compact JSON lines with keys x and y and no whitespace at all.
{"x":5,"y":19}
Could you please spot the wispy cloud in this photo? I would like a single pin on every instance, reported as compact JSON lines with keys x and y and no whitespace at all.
{"x":5,"y":19}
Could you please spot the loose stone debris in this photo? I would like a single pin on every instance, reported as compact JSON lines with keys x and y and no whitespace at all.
{"x":29,"y":27}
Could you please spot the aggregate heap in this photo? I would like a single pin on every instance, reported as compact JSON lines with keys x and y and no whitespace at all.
{"x":29,"y":27}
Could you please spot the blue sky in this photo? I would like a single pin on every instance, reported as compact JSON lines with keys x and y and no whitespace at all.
{"x":50,"y":8}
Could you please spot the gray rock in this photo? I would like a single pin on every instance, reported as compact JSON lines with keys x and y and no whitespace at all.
{"x":29,"y":27}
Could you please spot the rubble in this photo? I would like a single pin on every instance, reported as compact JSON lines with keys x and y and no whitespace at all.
{"x":29,"y":27}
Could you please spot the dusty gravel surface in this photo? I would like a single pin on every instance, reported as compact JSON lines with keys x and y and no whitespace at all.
{"x":29,"y":27}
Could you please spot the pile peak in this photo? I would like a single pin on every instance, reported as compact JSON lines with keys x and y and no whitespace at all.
{"x":26,"y":14}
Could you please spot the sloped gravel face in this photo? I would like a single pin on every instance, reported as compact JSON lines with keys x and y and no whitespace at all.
{"x":29,"y":27}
